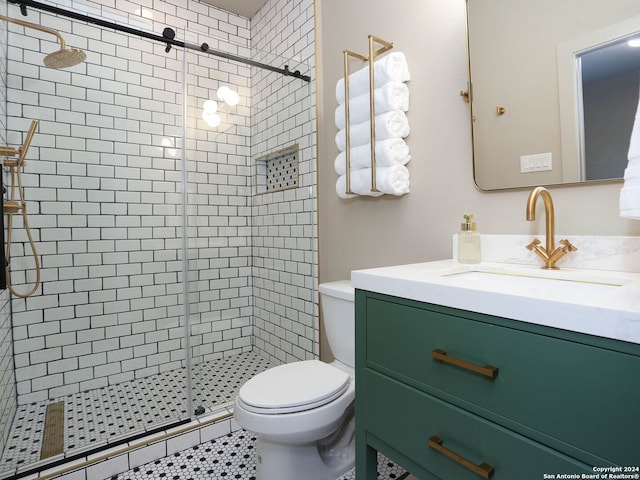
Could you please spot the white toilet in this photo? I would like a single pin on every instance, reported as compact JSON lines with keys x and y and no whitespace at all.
{"x":302,"y":413}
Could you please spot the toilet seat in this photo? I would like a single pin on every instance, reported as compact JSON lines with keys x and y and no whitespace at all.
{"x":293,"y":387}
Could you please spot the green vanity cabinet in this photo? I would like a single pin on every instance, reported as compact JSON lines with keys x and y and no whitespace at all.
{"x":453,"y":394}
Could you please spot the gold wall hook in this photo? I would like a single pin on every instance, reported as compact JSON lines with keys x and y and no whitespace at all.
{"x":501,"y":110}
{"x":465,"y":95}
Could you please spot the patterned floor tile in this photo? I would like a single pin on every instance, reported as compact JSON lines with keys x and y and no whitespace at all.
{"x":97,"y":417}
{"x":229,"y":457}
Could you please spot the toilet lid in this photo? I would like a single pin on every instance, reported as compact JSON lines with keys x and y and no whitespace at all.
{"x":293,"y":387}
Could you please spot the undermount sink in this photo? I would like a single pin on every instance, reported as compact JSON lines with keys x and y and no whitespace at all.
{"x":558,"y":280}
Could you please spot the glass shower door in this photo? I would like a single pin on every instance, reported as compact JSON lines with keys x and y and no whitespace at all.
{"x":252,"y":232}
{"x":100,"y":347}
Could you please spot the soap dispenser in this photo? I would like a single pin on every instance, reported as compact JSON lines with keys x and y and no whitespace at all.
{"x":468,"y":242}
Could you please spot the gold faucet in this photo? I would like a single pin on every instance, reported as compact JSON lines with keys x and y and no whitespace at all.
{"x":550,"y":254}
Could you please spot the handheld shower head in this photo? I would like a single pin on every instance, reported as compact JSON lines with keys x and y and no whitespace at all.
{"x":63,"y":58}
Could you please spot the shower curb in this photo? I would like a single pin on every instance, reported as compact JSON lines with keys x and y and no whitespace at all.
{"x":110,"y":462}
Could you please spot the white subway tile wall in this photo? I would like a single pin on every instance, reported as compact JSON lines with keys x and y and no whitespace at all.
{"x":284,"y":228}
{"x":7,"y":376}
{"x":103,"y":184}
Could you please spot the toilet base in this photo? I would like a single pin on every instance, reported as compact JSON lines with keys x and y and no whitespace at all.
{"x":276,"y":461}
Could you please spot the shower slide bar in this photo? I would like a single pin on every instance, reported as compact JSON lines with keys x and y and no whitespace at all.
{"x":167,"y":37}
{"x":17,"y":205}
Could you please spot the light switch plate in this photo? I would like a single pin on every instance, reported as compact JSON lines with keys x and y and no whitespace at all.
{"x":538,"y":162}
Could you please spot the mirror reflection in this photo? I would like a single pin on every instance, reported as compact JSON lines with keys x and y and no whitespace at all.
{"x":554,"y":89}
{"x":608,"y":84}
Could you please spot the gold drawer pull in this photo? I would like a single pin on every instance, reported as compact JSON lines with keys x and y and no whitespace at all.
{"x":488,"y":370}
{"x":484,"y":470}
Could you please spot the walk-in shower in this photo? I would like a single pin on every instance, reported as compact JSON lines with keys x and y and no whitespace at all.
{"x":167,"y":276}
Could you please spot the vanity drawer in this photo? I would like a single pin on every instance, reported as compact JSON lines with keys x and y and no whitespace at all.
{"x":575,"y":393}
{"x":478,"y":441}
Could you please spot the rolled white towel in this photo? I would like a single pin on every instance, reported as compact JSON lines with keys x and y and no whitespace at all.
{"x":393,"y":124}
{"x":630,"y":201}
{"x":630,"y":193}
{"x":390,"y":96}
{"x":392,"y":151}
{"x":634,"y":142}
{"x":392,"y":180}
{"x":632,"y":173}
{"x":389,"y":68}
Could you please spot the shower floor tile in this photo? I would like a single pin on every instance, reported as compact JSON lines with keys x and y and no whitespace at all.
{"x":230,"y":457}
{"x":97,"y":417}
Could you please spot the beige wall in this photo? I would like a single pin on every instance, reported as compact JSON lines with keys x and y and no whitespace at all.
{"x":368,"y":232}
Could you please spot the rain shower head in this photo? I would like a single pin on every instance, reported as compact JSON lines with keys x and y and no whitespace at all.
{"x":63,"y":58}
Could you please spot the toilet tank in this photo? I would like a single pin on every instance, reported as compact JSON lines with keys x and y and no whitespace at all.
{"x":338,"y":313}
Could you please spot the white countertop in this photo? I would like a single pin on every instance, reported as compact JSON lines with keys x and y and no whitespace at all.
{"x":595,"y":302}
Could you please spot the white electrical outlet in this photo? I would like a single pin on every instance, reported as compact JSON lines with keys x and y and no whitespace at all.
{"x":538,"y":162}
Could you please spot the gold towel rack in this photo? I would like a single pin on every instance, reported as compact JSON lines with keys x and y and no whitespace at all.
{"x":373,"y":53}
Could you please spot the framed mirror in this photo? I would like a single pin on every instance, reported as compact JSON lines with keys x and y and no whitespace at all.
{"x":553,"y":89}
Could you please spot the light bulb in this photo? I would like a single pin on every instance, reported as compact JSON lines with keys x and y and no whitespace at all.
{"x":210,"y":106}
{"x":212,"y":119}
{"x":232,"y":98}
{"x":222,"y":93}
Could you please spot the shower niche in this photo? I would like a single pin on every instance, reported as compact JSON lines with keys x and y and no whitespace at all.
{"x":278,"y":170}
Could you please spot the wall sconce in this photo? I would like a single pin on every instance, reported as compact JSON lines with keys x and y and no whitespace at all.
{"x":210,"y":107}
